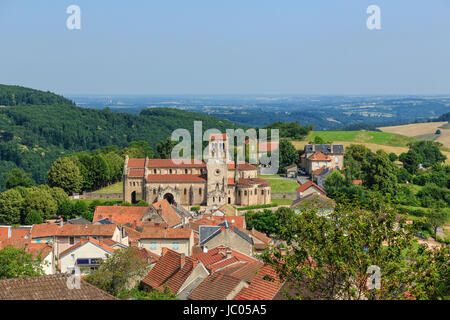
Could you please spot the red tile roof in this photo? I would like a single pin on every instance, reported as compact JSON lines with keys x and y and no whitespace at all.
{"x":136,"y":173}
{"x":264,"y":286}
{"x":50,"y":287}
{"x":218,"y":136}
{"x":246,"y":271}
{"x":106,"y":230}
{"x":82,"y":242}
{"x":4,"y":231}
{"x":167,"y":265}
{"x":163,"y":233}
{"x":190,"y":178}
{"x":357,"y":182}
{"x":44,"y":230}
{"x":167,"y":213}
{"x":319,"y":156}
{"x":218,"y":254}
{"x":136,"y":163}
{"x":216,"y":287}
{"x":35,"y":249}
{"x":318,"y":171}
{"x":241,"y":166}
{"x":253,"y":181}
{"x":307,"y":185}
{"x":7,"y":232}
{"x":230,"y":181}
{"x":120,"y":214}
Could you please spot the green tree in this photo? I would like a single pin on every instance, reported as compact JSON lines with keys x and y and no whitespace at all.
{"x":288,"y":155}
{"x":329,"y":257}
{"x":11,"y":205}
{"x":18,"y":177}
{"x":40,"y":200}
{"x":164,"y":148}
{"x":380,"y":173}
{"x":16,"y":263}
{"x":428,"y":152}
{"x":410,"y":161}
{"x":436,"y":218}
{"x":65,"y":175}
{"x":116,"y":272}
{"x":393,"y":157}
{"x":33,"y":218}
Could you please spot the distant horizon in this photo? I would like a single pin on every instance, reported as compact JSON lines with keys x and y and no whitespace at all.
{"x":210,"y":48}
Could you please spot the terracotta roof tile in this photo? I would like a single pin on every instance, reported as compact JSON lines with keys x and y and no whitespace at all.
{"x":167,"y":213}
{"x":308,"y":185}
{"x":44,"y":230}
{"x":120,"y":215}
{"x":191,"y":178}
{"x":216,"y":286}
{"x":167,"y":265}
{"x":264,"y":286}
{"x":218,"y":136}
{"x":319,"y":156}
{"x":242,"y":166}
{"x":165,"y":233}
{"x":51,"y":287}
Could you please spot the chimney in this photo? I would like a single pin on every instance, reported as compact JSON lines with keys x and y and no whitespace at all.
{"x":61,"y":222}
{"x":182,"y":260}
{"x":205,"y":249}
{"x":26,"y":247}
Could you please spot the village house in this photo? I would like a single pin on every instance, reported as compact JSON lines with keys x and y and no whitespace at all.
{"x":155,"y":239}
{"x":213,"y":183}
{"x":316,"y":156}
{"x":86,"y":255}
{"x":307,"y":188}
{"x":64,"y":236}
{"x":227,"y":235}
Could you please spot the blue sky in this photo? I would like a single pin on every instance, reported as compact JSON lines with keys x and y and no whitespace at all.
{"x":226,"y":47}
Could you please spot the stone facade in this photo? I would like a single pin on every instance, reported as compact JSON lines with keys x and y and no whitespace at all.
{"x":211,"y":183}
{"x":317,"y":156}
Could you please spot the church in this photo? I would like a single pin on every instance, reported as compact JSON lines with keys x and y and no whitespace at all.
{"x":213,"y":183}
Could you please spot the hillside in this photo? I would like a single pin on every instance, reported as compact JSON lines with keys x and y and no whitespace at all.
{"x":32,"y":135}
{"x":424,"y":131}
{"x":389,"y":142}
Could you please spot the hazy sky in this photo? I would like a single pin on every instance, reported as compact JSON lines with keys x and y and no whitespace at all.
{"x":227,"y":47}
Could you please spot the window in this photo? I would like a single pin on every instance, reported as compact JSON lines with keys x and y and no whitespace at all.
{"x":200,"y":191}
{"x":154,"y":171}
{"x":38,"y":241}
{"x":134,"y":184}
{"x":170,"y":170}
{"x":245,"y":192}
{"x":336,"y":159}
{"x":184,"y":191}
{"x":185,"y":171}
{"x":154,"y":191}
{"x":262,"y":192}
{"x":175,"y":245}
{"x":71,"y":240}
{"x":153,"y":245}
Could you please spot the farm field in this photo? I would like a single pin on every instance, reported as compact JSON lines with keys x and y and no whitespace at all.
{"x":388,"y":141}
{"x":424,"y":131}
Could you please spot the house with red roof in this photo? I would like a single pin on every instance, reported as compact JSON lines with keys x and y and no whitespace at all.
{"x":266,"y":285}
{"x":86,"y":255}
{"x":156,"y":239}
{"x":307,"y":188}
{"x":41,"y":251}
{"x":316,"y":156}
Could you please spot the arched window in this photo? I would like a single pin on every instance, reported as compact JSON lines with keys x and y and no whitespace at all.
{"x":154,"y":171}
{"x":184,"y":191}
{"x":154,"y":191}
{"x":200,"y":191}
{"x":262,"y":192}
{"x":245,"y":192}
{"x":185,"y":171}
{"x":170,"y":170}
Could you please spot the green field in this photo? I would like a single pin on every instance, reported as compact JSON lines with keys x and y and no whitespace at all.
{"x":363,"y":136}
{"x":114,"y":188}
{"x":282,"y":186}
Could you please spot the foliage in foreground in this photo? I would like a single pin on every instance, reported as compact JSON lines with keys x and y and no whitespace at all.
{"x":327,"y":257}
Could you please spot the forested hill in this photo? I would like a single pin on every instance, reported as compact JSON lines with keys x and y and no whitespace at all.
{"x":16,"y":95}
{"x":32,"y":136}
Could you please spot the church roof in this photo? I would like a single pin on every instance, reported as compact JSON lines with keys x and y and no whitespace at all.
{"x":194,"y":178}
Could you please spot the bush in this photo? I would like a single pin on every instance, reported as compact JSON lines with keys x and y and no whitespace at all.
{"x":260,"y":206}
{"x":195,"y":208}
{"x":33,"y":218}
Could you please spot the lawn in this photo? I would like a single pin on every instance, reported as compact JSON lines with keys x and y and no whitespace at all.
{"x":113,"y":188}
{"x":283,"y":186}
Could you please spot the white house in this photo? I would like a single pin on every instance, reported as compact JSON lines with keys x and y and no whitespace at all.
{"x":86,"y":255}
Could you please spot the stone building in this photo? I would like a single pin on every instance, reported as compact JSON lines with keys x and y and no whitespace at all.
{"x":213,"y":183}
{"x":316,"y":156}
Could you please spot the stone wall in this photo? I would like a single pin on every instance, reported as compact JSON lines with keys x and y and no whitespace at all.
{"x":101,"y":196}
